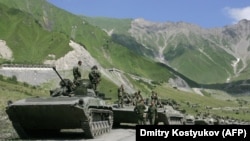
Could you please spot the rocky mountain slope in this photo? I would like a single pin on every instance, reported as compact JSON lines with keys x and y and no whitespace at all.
{"x":233,"y":39}
{"x":38,"y":76}
{"x":206,"y":56}
{"x":216,"y":55}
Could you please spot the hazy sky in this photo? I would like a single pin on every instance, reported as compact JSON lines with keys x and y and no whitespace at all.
{"x":205,"y":13}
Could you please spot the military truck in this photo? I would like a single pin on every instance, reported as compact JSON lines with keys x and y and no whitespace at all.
{"x":80,"y":108}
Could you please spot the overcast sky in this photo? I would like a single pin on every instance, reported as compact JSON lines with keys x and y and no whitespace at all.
{"x":205,"y":13}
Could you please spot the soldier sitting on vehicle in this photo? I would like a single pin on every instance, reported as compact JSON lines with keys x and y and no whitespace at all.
{"x":66,"y":87}
{"x":156,"y":99}
{"x":138,"y":97}
{"x":128,"y":99}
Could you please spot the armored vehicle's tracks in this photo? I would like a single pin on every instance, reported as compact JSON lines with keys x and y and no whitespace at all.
{"x":100,"y":122}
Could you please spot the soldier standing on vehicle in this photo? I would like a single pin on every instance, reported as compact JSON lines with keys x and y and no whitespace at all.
{"x":139,"y":110}
{"x":94,"y":77}
{"x":137,"y":97}
{"x":152,"y":113}
{"x":77,"y":73}
{"x":120,"y":96}
{"x":155,"y":99}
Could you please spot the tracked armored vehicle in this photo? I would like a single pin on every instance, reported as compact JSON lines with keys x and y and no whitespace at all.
{"x":167,"y":115}
{"x":80,"y":108}
{"x":199,"y":120}
{"x":189,"y":120}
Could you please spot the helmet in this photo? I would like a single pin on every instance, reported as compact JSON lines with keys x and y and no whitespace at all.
{"x":94,"y":67}
{"x":79,"y":62}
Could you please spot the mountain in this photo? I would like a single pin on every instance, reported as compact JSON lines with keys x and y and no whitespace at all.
{"x":169,"y":58}
{"x":161,"y":52}
{"x":40,"y":33}
{"x":207,"y":56}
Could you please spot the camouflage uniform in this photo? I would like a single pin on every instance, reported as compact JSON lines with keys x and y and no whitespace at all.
{"x":138,"y":97}
{"x":120,"y":96}
{"x":65,"y":89}
{"x":155,"y":99}
{"x":94,"y":77}
{"x":139,"y":110}
{"x":152,"y":113}
{"x":77,"y":73}
{"x":137,"y":100}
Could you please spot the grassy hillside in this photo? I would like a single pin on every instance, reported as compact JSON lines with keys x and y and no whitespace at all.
{"x":34,"y":41}
{"x":214,"y":103}
{"x":29,"y":42}
{"x":34,"y":30}
{"x":202,"y":61}
{"x":116,"y":26}
{"x":194,"y":52}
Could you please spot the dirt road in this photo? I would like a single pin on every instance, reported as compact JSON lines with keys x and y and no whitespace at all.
{"x":117,"y":134}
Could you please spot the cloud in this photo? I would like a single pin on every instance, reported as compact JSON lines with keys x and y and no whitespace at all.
{"x":238,"y":14}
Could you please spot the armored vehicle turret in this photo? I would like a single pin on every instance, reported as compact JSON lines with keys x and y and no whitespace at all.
{"x":76,"y":108}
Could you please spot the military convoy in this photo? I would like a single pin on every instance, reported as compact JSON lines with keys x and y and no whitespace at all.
{"x":167,"y":115}
{"x":80,"y":108}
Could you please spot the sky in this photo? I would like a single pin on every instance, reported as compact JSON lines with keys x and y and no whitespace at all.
{"x":204,"y":13}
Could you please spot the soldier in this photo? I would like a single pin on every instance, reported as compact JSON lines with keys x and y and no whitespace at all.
{"x":155,"y":99}
{"x":94,"y":77}
{"x":77,"y":73}
{"x":139,"y":110}
{"x":135,"y":98}
{"x":152,"y":113}
{"x":138,"y":97}
{"x":66,"y":87}
{"x":120,"y":96}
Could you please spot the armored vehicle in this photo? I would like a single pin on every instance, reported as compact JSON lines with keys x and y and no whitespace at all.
{"x":202,"y":120}
{"x":80,"y":108}
{"x":167,"y":115}
{"x":189,"y":120}
{"x":125,"y":115}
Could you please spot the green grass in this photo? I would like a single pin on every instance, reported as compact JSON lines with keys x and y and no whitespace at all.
{"x":31,"y":39}
{"x":17,"y":91}
{"x":194,"y":103}
{"x":119,"y":26}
